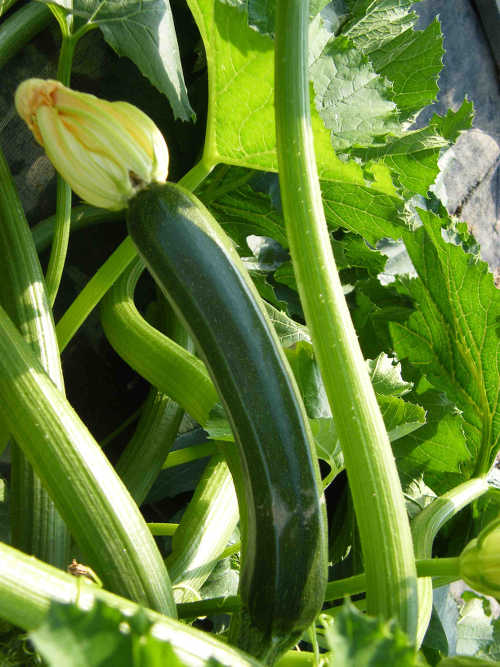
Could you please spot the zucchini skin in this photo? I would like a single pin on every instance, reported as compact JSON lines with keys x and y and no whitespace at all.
{"x":284,"y":568}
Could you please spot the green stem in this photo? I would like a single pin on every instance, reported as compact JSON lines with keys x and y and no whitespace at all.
{"x":5,"y":5}
{"x":20,"y":28}
{"x":373,"y":478}
{"x":28,"y":586}
{"x":82,"y":216}
{"x":204,"y":531}
{"x":141,"y":461}
{"x":439,"y":567}
{"x":93,"y":291}
{"x":189,"y":454}
{"x":426,"y":525}
{"x":165,"y":364}
{"x":335,"y":590}
{"x":63,"y":196}
{"x":36,"y":526}
{"x":102,"y":517}
{"x":123,"y":426}
{"x":112,"y":268}
{"x":164,"y":529}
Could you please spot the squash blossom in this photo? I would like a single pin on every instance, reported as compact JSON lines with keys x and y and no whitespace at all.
{"x":479,"y":562}
{"x":105,"y":151}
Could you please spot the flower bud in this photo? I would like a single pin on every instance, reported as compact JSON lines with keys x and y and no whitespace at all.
{"x":106,"y":151}
{"x":479,"y":562}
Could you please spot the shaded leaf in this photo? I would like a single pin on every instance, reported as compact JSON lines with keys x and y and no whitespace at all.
{"x":306,"y":372}
{"x":144,"y":31}
{"x":244,"y":211}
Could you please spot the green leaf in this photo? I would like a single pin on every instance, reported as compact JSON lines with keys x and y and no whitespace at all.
{"x":386,"y":377}
{"x":357,"y":640}
{"x":414,"y":156}
{"x":476,"y":628}
{"x":353,"y":101}
{"x":410,"y":59}
{"x":412,"y":62}
{"x":438,"y":450}
{"x":144,"y":31}
{"x":306,"y":372}
{"x":400,"y":417}
{"x":465,"y":661}
{"x":244,"y":211}
{"x":454,"y":122}
{"x":361,"y":209}
{"x":327,"y":445}
{"x":241,"y":128}
{"x":374,"y":23}
{"x":289,"y":332}
{"x":453,"y":337}
{"x":102,"y":635}
{"x":241,"y":74}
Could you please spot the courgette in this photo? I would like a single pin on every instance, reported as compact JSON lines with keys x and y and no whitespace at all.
{"x":284,"y":559}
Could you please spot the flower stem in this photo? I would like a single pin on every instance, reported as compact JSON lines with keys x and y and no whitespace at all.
{"x":60,"y":241}
{"x":371,"y":469}
{"x":426,"y":525}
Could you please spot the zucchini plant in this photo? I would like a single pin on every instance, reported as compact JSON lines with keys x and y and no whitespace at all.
{"x":321,"y":420}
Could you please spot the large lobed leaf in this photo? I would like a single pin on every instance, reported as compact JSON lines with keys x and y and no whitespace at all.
{"x":144,"y":31}
{"x":453,"y":336}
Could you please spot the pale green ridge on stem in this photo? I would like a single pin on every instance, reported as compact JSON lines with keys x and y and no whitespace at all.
{"x":426,"y":525}
{"x":205,"y":529}
{"x":63,"y":197}
{"x":37,"y":528}
{"x":373,"y":478}
{"x":27,"y":587}
{"x":97,"y":508}
{"x":142,"y":459}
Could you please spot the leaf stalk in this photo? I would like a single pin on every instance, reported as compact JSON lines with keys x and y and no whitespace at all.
{"x":373,"y":478}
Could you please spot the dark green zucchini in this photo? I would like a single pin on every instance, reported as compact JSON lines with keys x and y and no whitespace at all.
{"x":284,"y":568}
